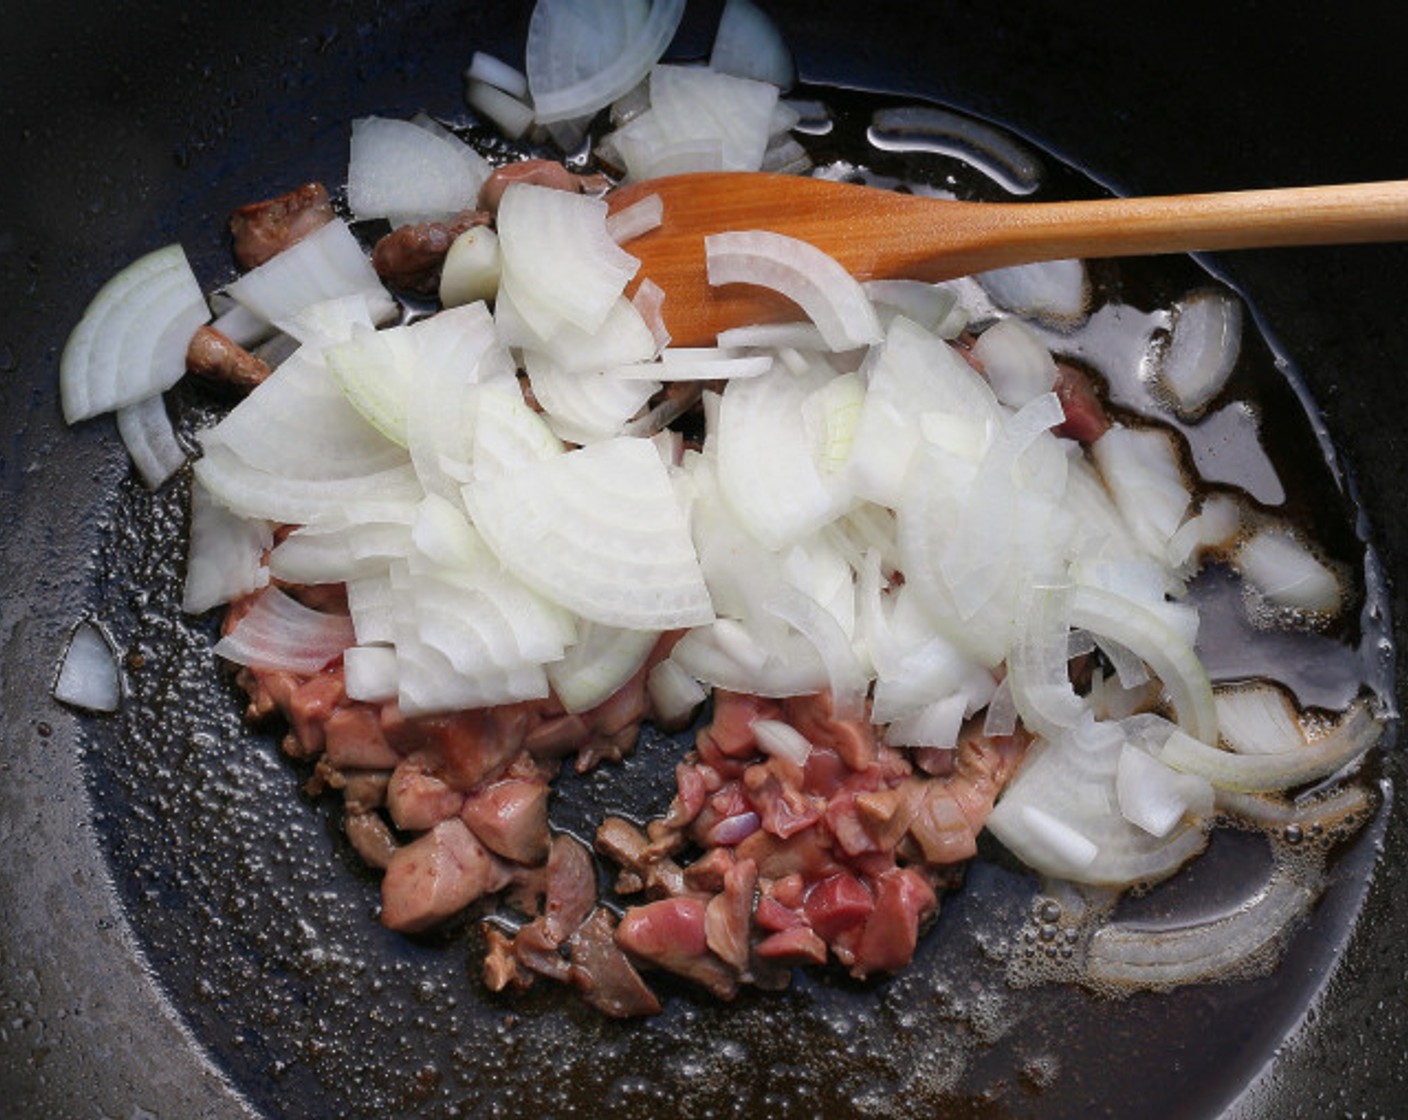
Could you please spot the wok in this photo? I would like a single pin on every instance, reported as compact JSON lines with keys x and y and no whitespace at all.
{"x":181,"y":933}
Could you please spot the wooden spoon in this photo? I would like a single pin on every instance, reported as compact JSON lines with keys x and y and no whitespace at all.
{"x":882,"y":234}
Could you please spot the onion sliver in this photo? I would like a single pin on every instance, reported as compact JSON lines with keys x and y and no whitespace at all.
{"x":829,"y":295}
{"x":674,"y":694}
{"x":1356,"y":732}
{"x":497,"y":73}
{"x":845,"y":674}
{"x":131,"y":341}
{"x":600,"y":531}
{"x":1202,"y":350}
{"x":88,"y":677}
{"x":224,"y":557}
{"x":1287,"y":574}
{"x":401,"y":171}
{"x":509,"y":114}
{"x":601,"y":661}
{"x":749,"y":45}
{"x":560,"y":31}
{"x":691,"y":104}
{"x":557,"y":251}
{"x":1123,"y":953}
{"x":370,"y":673}
{"x":1048,"y":291}
{"x":279,"y":632}
{"x":325,"y":265}
{"x":1173,"y":660}
{"x":150,"y":439}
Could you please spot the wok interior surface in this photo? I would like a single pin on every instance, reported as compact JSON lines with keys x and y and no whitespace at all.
{"x":187,"y":934}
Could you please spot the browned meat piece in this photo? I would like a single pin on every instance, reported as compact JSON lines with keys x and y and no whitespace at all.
{"x":411,"y":257}
{"x":510,"y":817}
{"x":500,"y":963}
{"x":365,"y":790}
{"x":371,"y":838}
{"x":263,"y":229}
{"x":625,"y":844}
{"x":728,"y":918}
{"x":419,"y":799}
{"x":354,"y":739}
{"x":216,"y":358}
{"x":537,"y":950}
{"x":571,"y":888}
{"x":436,"y":876}
{"x":670,"y":934}
{"x":603,"y":974}
{"x":541,"y":173}
{"x":464,"y":749}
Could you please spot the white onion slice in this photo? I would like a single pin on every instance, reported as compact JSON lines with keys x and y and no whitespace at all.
{"x":638,"y":218}
{"x":781,"y":740}
{"x":1258,"y":718}
{"x":88,"y":676}
{"x":1356,"y":732}
{"x":561,"y":32}
{"x":406,"y":173}
{"x":584,"y":407}
{"x":846,"y":676}
{"x":1015,"y":362}
{"x":600,"y":531}
{"x":131,"y":341}
{"x":1202,"y":350}
{"x":370,"y":673}
{"x":472,"y":268}
{"x":512,"y":116}
{"x":1154,"y":796}
{"x":224,"y":554}
{"x":150,"y":439}
{"x":931,"y":306}
{"x":1056,"y":292}
{"x":749,"y":45}
{"x":497,"y":73}
{"x":692,"y":105}
{"x":830,"y":296}
{"x":1141,"y":469}
{"x":600,"y":662}
{"x":1287,"y":574}
{"x":326,"y":264}
{"x":279,"y":632}
{"x":558,"y":253}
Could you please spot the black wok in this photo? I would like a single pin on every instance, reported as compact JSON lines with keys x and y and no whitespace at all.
{"x":181,"y":933}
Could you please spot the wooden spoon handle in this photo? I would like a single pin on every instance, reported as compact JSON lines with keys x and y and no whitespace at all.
{"x":1119,"y":227}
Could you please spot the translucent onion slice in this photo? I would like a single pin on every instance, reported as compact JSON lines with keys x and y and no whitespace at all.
{"x":781,"y":740}
{"x":846,"y":677}
{"x":1142,"y":471}
{"x":1018,"y":366}
{"x":224,"y":554}
{"x":830,"y":296}
{"x":931,"y":306}
{"x":599,"y":663}
{"x":584,"y":407}
{"x":617,"y":50}
{"x":749,"y":45}
{"x":693,"y":104}
{"x":556,"y":249}
{"x":88,"y":675}
{"x":1056,"y":292}
{"x":1149,"y":637}
{"x":1357,"y":731}
{"x":1155,"y":796}
{"x":1163,"y":957}
{"x":150,"y":439}
{"x":472,"y":268}
{"x":512,"y":116}
{"x":674,"y":694}
{"x":406,"y":173}
{"x":279,"y":632}
{"x":1287,"y":574}
{"x":131,"y":341}
{"x":600,"y":531}
{"x":497,"y":73}
{"x":1202,"y":350}
{"x":638,"y":218}
{"x":325,"y":265}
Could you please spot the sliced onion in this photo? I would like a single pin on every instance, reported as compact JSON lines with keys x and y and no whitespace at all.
{"x":935,"y":725}
{"x":600,"y":662}
{"x":1156,"y":797}
{"x":151,"y":441}
{"x":781,"y":740}
{"x":325,"y":265}
{"x":600,"y":531}
{"x":472,"y":268}
{"x":931,"y":306}
{"x":830,"y":296}
{"x":1056,"y":292}
{"x":692,"y":104}
{"x":559,"y":257}
{"x":131,"y":341}
{"x":370,"y":673}
{"x":1163,"y":957}
{"x":1014,"y":360}
{"x":640,"y":217}
{"x":749,"y":45}
{"x":88,"y":676}
{"x":846,"y":676}
{"x":225,"y":554}
{"x":512,"y":116}
{"x":1141,"y":469}
{"x":405,"y":173}
{"x":279,"y":632}
{"x":1287,"y":574}
{"x":1258,"y":718}
{"x":1202,"y":350}
{"x":497,"y":73}
{"x":583,"y":407}
{"x":704,"y":363}
{"x":619,"y":53}
{"x":1147,"y":636}
{"x":1355,"y":734}
{"x":799,"y":336}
